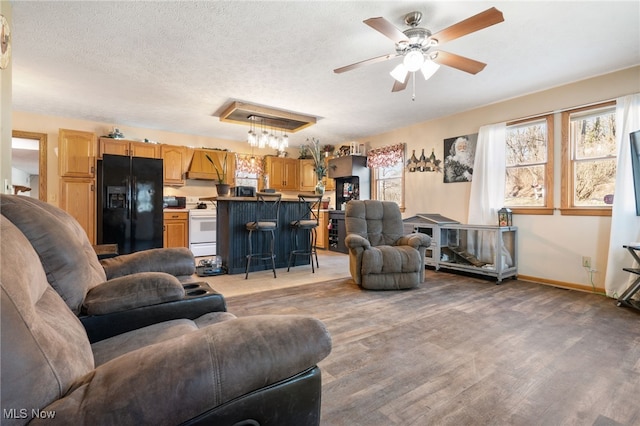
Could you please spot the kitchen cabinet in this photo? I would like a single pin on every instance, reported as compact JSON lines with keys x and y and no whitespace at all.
{"x":283,"y":173}
{"x":329,"y":183}
{"x":78,"y":198}
{"x":76,"y":153}
{"x":307,"y":175}
{"x":174,"y":164}
{"x":128,"y":148}
{"x":176,"y":229}
{"x":322,"y":233}
{"x":76,"y":168}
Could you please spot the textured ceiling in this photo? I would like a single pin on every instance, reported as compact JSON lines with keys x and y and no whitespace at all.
{"x":175,"y":65}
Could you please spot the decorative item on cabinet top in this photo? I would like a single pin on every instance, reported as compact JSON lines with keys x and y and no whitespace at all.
{"x":424,"y":164}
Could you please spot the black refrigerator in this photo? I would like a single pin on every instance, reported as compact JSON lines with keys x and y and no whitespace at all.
{"x":130,"y":203}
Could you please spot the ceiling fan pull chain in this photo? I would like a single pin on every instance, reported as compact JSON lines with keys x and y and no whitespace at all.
{"x":413,"y":83}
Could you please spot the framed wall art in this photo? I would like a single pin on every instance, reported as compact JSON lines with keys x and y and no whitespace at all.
{"x":459,"y":156}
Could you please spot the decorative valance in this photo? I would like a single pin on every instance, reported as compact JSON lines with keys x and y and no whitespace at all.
{"x":386,"y":156}
{"x":245,"y":164}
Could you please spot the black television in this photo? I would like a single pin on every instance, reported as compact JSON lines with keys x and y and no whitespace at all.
{"x":635,"y":166}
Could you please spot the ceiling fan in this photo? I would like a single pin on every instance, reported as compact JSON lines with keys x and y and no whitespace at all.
{"x":415,"y":43}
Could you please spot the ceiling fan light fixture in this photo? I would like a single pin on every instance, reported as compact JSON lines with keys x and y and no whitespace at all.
{"x":399,"y":73}
{"x":429,"y":68}
{"x":413,"y":60}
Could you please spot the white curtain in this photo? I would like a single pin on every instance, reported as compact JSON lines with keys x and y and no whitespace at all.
{"x":489,"y":175}
{"x":487,"y":190}
{"x":625,"y":225}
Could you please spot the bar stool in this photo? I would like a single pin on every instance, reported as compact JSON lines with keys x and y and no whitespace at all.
{"x":309,"y":206}
{"x":267,"y":214}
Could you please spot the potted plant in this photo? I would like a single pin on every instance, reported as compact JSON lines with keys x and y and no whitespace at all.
{"x":321,"y":171}
{"x":222,"y":187}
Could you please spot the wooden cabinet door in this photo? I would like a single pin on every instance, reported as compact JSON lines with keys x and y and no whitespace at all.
{"x":307,"y":175}
{"x":322,"y":234}
{"x":76,"y":153}
{"x":78,"y":198}
{"x":290,"y":167}
{"x":113,"y":147}
{"x":329,"y":184}
{"x":173,"y":164}
{"x":276,"y":172}
{"x":144,"y":150}
{"x":176,"y":229}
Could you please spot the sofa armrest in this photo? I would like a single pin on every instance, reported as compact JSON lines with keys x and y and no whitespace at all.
{"x":132,"y":291}
{"x":179,"y":379}
{"x":199,"y":299}
{"x":415,"y":240}
{"x":353,"y":241}
{"x":175,"y":261}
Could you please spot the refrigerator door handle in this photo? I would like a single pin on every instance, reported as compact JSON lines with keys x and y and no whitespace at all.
{"x":127,"y":205}
{"x":134,"y":196}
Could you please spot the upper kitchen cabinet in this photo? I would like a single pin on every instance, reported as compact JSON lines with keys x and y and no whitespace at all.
{"x":307,"y":175}
{"x":174,"y":164}
{"x":128,"y":148}
{"x":76,"y":153}
{"x":201,"y":167}
{"x":283,"y":173}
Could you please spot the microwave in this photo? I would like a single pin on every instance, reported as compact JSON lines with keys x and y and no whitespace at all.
{"x":244,"y":191}
{"x":174,"y":202}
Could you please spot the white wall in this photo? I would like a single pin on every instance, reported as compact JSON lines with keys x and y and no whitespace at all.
{"x":550,"y":247}
{"x":5,"y":115}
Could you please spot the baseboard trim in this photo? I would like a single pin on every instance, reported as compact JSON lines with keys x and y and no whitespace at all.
{"x":562,"y":284}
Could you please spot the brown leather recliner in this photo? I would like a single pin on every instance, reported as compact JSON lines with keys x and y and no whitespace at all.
{"x":114,"y":295}
{"x":216,"y":369}
{"x":381,"y":256}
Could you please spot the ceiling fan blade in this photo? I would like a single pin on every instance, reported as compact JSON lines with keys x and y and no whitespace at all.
{"x":459,"y":62}
{"x":365,"y":62}
{"x":397,"y":86}
{"x":475,"y":23}
{"x":387,"y":28}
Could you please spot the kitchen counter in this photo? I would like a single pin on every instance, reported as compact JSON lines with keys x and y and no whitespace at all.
{"x":232,"y":237}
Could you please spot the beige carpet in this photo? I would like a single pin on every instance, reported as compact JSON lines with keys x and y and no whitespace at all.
{"x":332,"y":266}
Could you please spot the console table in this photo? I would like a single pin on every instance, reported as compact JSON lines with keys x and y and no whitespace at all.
{"x":626,"y":298}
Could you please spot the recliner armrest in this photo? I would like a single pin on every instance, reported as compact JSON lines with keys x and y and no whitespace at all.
{"x":414,"y":240}
{"x":199,"y":299}
{"x":355,"y":241}
{"x":175,"y":261}
{"x":132,"y":291}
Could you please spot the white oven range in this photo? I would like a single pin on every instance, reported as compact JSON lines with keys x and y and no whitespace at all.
{"x":202,"y":231}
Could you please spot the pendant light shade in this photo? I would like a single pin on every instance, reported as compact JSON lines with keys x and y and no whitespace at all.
{"x":429,"y":68}
{"x":399,"y":73}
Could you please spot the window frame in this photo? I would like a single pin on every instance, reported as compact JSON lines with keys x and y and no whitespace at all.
{"x":548,"y":208}
{"x":376,"y":178}
{"x":567,"y":206}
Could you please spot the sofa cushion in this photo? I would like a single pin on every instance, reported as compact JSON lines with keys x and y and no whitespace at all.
{"x":390,"y":259}
{"x":108,"y":349}
{"x":44,"y":347}
{"x":68,"y":258}
{"x":379,"y":222}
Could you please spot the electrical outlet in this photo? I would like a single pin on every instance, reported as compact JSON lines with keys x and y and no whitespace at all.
{"x":586,"y":261}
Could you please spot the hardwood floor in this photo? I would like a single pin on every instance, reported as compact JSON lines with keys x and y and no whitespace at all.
{"x":464,"y":351}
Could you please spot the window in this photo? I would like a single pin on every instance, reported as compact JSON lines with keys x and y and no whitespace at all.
{"x":389,"y":183}
{"x":529,"y":166}
{"x":388,"y":173}
{"x":589,"y":160}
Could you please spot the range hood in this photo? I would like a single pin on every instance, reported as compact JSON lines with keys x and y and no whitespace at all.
{"x":201,"y":168}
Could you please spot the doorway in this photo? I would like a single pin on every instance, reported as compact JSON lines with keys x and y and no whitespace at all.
{"x":29,"y":163}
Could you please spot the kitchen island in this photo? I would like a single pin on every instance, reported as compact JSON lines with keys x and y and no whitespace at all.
{"x":232,"y":244}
